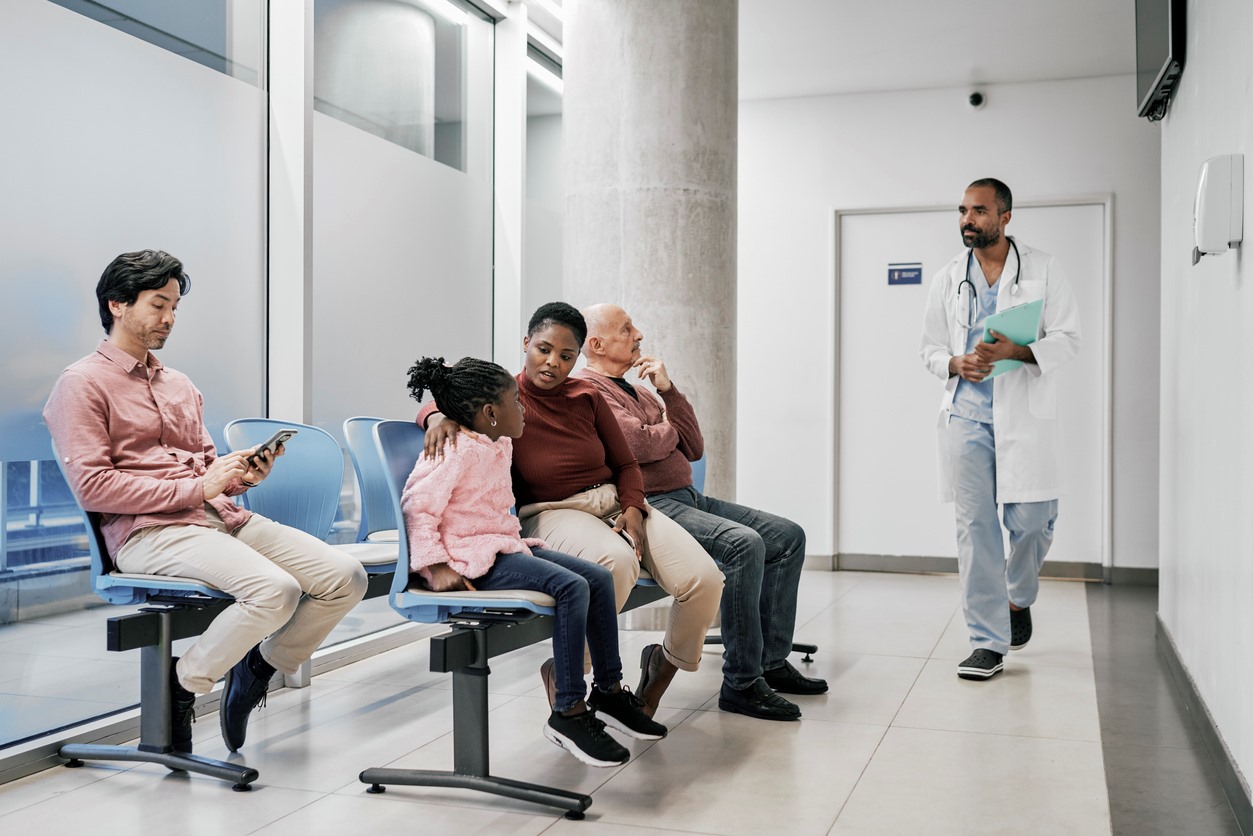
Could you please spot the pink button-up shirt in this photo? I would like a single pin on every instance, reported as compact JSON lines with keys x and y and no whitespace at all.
{"x":132,"y":439}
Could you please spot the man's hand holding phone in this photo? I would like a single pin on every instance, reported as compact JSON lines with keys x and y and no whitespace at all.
{"x":260,"y":461}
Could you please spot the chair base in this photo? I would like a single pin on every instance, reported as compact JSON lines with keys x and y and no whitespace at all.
{"x":573,"y":803}
{"x":797,"y":647}
{"x":240,"y":777}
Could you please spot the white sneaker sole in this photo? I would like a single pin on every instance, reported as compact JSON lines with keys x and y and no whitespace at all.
{"x":617,"y":725}
{"x":980,"y":673}
{"x":569,"y":745}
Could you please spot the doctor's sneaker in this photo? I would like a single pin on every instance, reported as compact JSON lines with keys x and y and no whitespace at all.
{"x":624,"y":711}
{"x":583,"y":735}
{"x":982,"y":664}
{"x":1019,"y":628}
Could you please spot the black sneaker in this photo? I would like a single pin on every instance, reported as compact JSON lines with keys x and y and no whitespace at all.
{"x":757,"y":700}
{"x":182,"y":712}
{"x":1019,"y":628}
{"x":788,"y":680}
{"x":982,"y":664}
{"x":624,"y":711}
{"x":584,"y":736}
{"x":243,"y":692}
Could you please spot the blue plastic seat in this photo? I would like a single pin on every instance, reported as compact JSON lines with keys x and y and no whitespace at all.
{"x":378,"y":521}
{"x":303,"y":487}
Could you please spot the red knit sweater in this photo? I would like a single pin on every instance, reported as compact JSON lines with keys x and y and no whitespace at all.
{"x":572,"y":441}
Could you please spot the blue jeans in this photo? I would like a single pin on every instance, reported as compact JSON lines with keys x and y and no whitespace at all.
{"x":988,"y":582}
{"x":585,"y":611}
{"x":761,"y":556}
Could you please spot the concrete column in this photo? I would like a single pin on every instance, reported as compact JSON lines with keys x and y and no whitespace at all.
{"x":649,"y":135}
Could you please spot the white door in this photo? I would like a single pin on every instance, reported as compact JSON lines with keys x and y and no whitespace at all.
{"x":888,"y":403}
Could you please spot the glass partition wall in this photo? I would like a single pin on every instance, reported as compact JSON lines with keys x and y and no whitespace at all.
{"x":143,"y":123}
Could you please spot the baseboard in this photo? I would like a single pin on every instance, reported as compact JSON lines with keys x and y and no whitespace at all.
{"x":1235,"y":787}
{"x":914,"y":564}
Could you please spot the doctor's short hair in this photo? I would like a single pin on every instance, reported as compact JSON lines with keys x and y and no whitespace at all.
{"x":130,"y":274}
{"x":1004,"y":197}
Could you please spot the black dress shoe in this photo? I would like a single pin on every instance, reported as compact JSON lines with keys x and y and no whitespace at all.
{"x":757,"y":700}
{"x":243,"y":691}
{"x":788,"y":680}
{"x":182,"y":713}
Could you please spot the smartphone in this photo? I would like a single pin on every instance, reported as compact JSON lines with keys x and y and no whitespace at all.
{"x":271,"y":444}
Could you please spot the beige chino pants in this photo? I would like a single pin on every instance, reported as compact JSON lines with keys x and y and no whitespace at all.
{"x":287,"y":585}
{"x":581,"y":526}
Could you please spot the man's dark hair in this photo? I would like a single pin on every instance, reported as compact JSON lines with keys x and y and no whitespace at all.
{"x":130,"y":274}
{"x":1004,"y":197}
{"x":461,"y":389}
{"x":559,"y":313}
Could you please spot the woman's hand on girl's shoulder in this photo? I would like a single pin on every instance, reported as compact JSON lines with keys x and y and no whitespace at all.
{"x":441,"y":430}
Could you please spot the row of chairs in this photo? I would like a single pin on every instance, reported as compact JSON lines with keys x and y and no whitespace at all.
{"x":303,"y":491}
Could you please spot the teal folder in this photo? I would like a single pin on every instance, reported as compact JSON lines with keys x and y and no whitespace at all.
{"x":1020,"y":324}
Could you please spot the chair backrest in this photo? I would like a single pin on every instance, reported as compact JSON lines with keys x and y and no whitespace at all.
{"x":125,"y":590}
{"x":302,"y":490}
{"x":698,"y":474}
{"x":376,"y":498}
{"x":398,"y":444}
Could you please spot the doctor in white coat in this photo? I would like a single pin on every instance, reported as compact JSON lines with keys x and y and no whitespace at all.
{"x":998,"y":438}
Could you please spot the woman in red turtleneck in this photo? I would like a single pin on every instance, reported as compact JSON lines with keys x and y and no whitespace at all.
{"x":579,"y":489}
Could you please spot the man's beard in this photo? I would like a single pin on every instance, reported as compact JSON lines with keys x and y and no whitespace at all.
{"x":981,"y":239}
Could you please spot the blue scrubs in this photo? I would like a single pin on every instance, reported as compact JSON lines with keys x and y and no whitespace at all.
{"x":988,"y":582}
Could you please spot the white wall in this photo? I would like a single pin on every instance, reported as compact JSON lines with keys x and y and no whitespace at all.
{"x":801,"y":159}
{"x":541,"y":276}
{"x":1206,"y":572}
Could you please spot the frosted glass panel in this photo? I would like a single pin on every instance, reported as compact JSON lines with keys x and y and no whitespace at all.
{"x":112,"y":145}
{"x":402,"y":265}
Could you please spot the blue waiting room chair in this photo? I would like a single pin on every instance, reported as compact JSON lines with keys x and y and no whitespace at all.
{"x":303,"y":487}
{"x":484,"y":624}
{"x":173,"y":608}
{"x":378,"y":522}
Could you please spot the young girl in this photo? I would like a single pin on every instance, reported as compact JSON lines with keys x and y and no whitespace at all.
{"x":462,"y":536}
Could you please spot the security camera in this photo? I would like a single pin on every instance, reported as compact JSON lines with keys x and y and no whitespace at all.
{"x":978,"y":101}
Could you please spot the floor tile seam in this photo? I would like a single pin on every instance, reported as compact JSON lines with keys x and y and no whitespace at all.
{"x":861,"y":774}
{"x":289,"y":813}
{"x":1006,"y":735}
{"x":114,"y":769}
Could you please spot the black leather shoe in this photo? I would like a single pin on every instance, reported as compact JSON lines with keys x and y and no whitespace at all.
{"x":242,"y":692}
{"x":757,"y":700}
{"x":1019,"y":628}
{"x":788,"y":680}
{"x":182,"y":713}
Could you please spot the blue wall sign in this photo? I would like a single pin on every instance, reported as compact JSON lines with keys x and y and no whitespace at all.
{"x":905,"y":273}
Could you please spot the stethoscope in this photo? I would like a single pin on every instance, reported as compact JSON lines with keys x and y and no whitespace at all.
{"x":973,"y":294}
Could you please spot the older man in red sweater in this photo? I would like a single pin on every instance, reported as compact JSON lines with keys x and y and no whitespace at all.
{"x":760,"y":554}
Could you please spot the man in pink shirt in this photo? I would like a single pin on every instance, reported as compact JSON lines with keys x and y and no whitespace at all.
{"x":760,"y":554}
{"x":130,"y":433}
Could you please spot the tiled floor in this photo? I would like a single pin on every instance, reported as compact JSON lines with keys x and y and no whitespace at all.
{"x":899,"y":745}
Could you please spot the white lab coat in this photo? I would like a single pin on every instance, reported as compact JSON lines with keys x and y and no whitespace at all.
{"x":1024,"y":401}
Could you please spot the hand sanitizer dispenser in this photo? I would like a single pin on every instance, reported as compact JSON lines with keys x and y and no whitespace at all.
{"x":1218,"y":215}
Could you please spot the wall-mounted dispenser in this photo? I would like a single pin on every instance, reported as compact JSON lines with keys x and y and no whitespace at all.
{"x":1218,"y":215}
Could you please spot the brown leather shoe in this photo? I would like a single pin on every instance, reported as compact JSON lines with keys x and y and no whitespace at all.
{"x":548,"y":673}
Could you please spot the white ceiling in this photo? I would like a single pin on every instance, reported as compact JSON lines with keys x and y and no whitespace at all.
{"x":817,"y":47}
